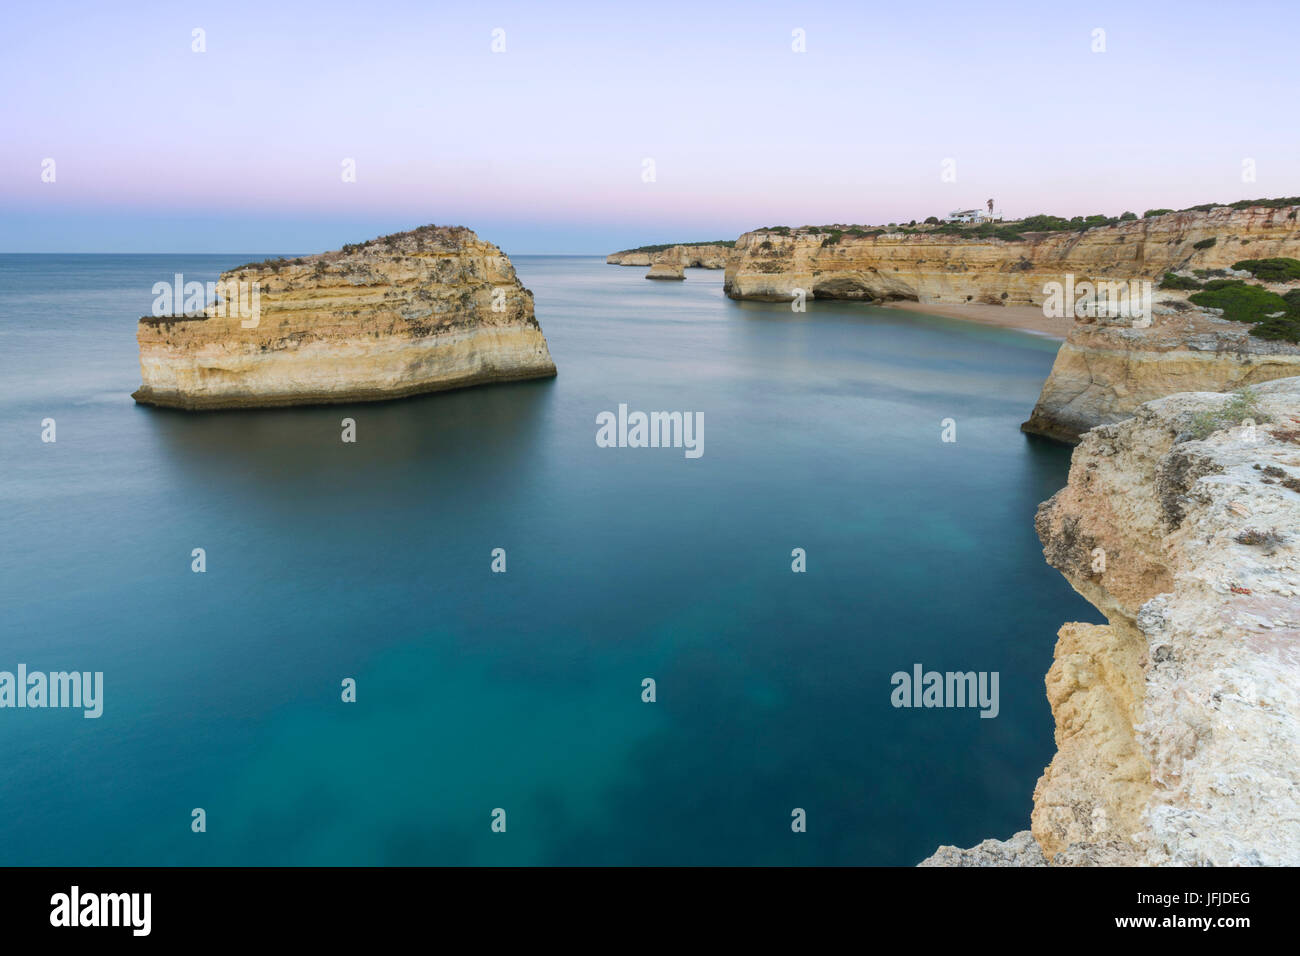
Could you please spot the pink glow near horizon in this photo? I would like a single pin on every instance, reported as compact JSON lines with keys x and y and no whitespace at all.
{"x":743,"y":130}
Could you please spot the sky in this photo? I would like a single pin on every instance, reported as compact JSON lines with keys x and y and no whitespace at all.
{"x":546,"y":146}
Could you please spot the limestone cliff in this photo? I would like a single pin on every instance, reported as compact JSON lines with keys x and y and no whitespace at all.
{"x":702,"y":256}
{"x":420,"y":311}
{"x":929,"y":266}
{"x":1178,"y":721}
{"x":1106,"y":369}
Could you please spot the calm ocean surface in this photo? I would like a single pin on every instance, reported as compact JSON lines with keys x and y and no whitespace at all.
{"x":523,"y":691}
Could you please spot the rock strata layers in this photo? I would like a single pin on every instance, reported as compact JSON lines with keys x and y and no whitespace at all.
{"x":666,"y":265}
{"x":1105,"y":370}
{"x":421,"y":311}
{"x":691,"y":256}
{"x":1178,"y":721}
{"x":770,"y":264}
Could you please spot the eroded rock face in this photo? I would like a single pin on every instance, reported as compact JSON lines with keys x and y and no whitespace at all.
{"x":692,"y":257}
{"x":420,"y":311}
{"x":667,"y":265}
{"x":1177,"y":721}
{"x":1104,"y":371}
{"x":937,"y":268}
{"x":1098,"y":783}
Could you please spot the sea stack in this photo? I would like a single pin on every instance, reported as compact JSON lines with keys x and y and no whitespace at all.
{"x":421,"y":311}
{"x":667,"y":264}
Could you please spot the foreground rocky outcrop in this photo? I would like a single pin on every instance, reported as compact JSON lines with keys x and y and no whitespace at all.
{"x":770,"y":264}
{"x":1019,"y":850}
{"x":1106,"y":369}
{"x":702,"y":256}
{"x":420,"y":311}
{"x":1178,"y":721}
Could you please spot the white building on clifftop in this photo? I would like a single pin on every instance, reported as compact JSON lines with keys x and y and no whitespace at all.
{"x":973,"y":215}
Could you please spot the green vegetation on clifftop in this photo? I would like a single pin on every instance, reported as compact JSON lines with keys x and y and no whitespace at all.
{"x":1014,"y":230}
{"x":660,"y":247}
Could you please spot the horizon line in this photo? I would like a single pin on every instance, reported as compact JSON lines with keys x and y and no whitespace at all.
{"x":67,"y":252}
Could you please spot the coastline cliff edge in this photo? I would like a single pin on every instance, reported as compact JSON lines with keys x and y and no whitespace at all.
{"x":1177,"y":721}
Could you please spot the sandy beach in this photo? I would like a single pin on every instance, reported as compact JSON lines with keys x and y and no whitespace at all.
{"x":1027,"y":318}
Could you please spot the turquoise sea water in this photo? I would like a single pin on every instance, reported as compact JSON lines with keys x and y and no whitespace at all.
{"x":522,"y":690}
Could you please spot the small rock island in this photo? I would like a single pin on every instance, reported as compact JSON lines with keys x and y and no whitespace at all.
{"x":431,"y":309}
{"x":667,"y":265}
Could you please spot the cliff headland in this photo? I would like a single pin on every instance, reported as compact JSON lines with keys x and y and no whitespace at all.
{"x":690,"y":255}
{"x":1002,"y":264}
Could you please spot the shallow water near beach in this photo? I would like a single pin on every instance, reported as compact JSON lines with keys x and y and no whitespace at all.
{"x":522,"y":690}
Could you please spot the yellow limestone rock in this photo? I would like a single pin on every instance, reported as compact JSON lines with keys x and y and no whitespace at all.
{"x":1178,"y":721}
{"x":1104,"y":371}
{"x":667,"y":265}
{"x":1096,"y":787}
{"x":1178,"y":724}
{"x":420,"y":311}
{"x":705,"y":256}
{"x":927,"y":267}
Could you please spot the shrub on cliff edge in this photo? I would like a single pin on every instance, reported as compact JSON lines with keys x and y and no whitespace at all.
{"x":1171,"y":281}
{"x":1277,"y":269}
{"x":1240,"y":302}
{"x":1243,"y":405}
{"x":1278,"y":203}
{"x":1283,"y":328}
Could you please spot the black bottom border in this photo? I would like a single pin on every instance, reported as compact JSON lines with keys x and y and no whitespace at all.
{"x":376,"y":904}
